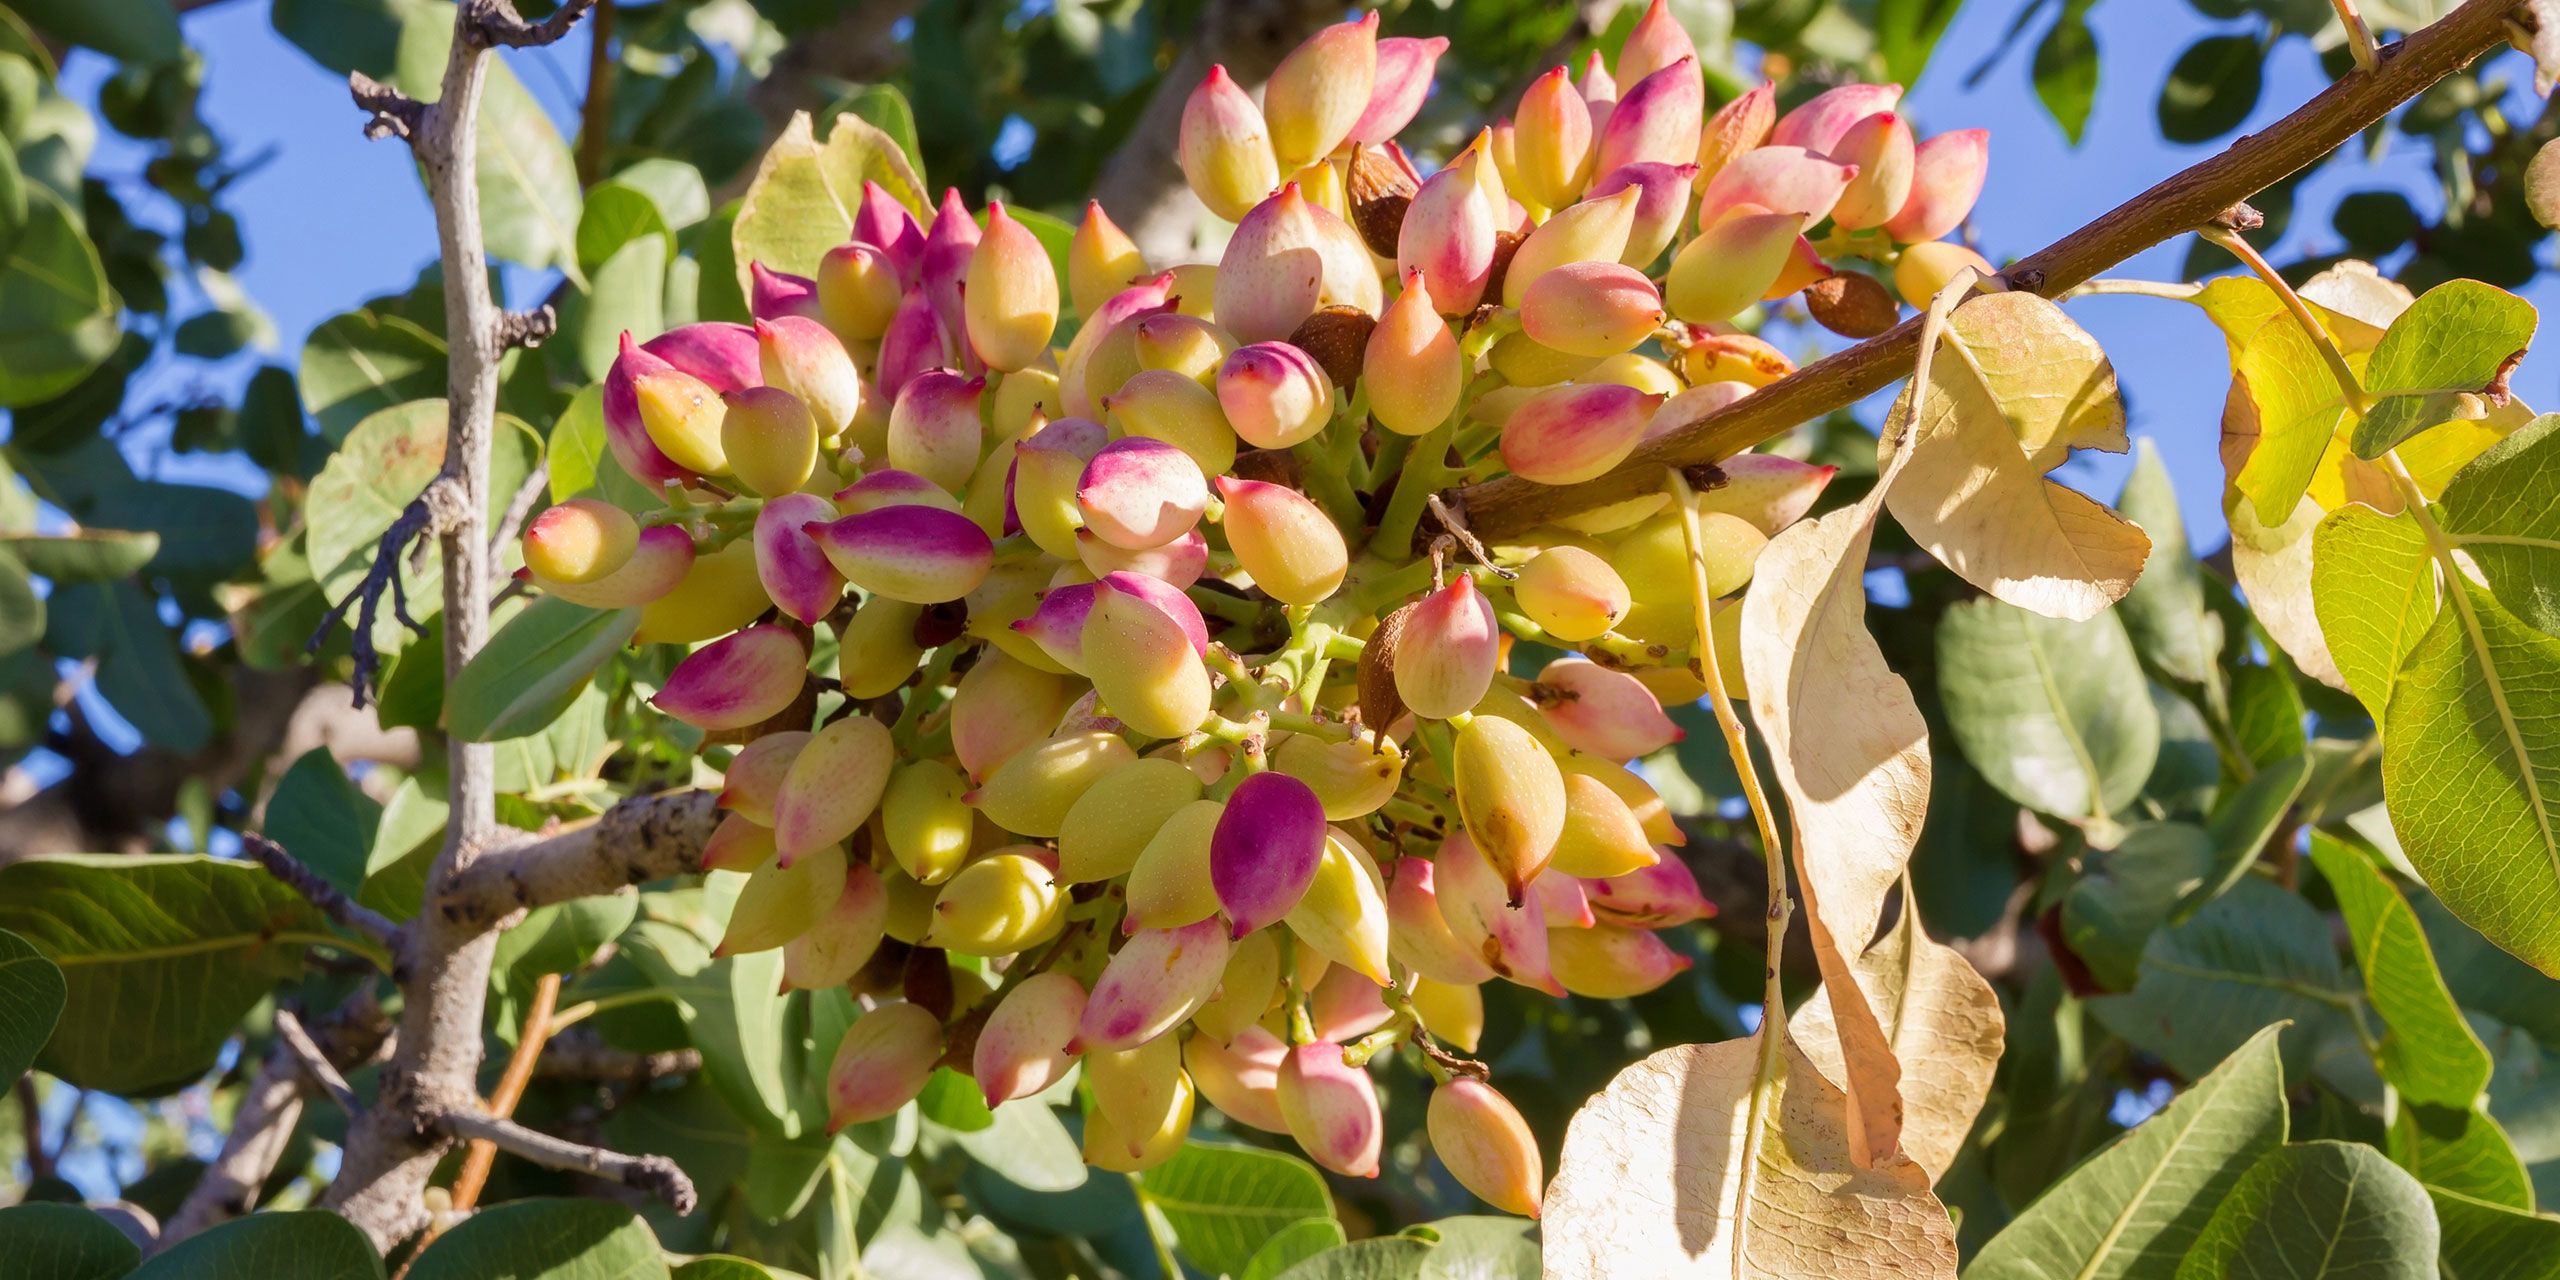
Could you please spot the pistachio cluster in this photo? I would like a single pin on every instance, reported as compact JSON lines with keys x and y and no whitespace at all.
{"x":1157,"y":740}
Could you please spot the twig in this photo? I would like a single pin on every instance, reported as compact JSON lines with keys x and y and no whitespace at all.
{"x":394,"y":114}
{"x":577,"y":1056}
{"x":2181,"y":203}
{"x":314,"y":1064}
{"x":496,"y":23}
{"x":519,"y":508}
{"x":333,"y":902}
{"x":263,"y":1121}
{"x":392,"y":1149}
{"x":642,"y":839}
{"x":2359,"y":35}
{"x":31,"y":1110}
{"x":595,"y":115}
{"x":656,"y":1175}
{"x":530,"y":1039}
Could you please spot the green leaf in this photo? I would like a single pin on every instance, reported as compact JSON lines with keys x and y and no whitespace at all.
{"x":2253,"y":956}
{"x":139,"y":671}
{"x":320,"y":818}
{"x":2066,"y":69}
{"x":2319,"y":1209}
{"x":346,"y":35}
{"x":385,"y":462}
{"x":545,"y":1240}
{"x":57,"y":315}
{"x":2211,"y":89}
{"x":2132,"y":1209}
{"x":801,"y":202}
{"x":163,"y":955}
{"x":1024,"y":1143}
{"x":2374,"y":588}
{"x":533,"y":668}
{"x":2455,"y":339}
{"x":65,"y":1242}
{"x":405,"y":843}
{"x":615,"y":215}
{"x":21,"y":609}
{"x":204,"y":532}
{"x":720,"y":1267}
{"x":1224,"y":1202}
{"x":2483,"y":1241}
{"x":310,"y":1243}
{"x":2471,"y":771}
{"x":2428,"y":1052}
{"x":2298,"y":408}
{"x":2499,"y":508}
{"x":560,"y":938}
{"x":2267,"y":712}
{"x":2054,"y":713}
{"x":85,"y":555}
{"x":674,"y":188}
{"x":2129,"y":891}
{"x":1907,"y":32}
{"x":2165,"y":613}
{"x":1389,"y":1258}
{"x":2462,"y":1150}
{"x":1478,"y":1247}
{"x":885,"y":109}
{"x":629,"y":297}
{"x":31,"y":998}
{"x":1292,"y":1245}
{"x":129,"y":30}
{"x":2242,"y":823}
{"x":757,"y":1045}
{"x":358,"y":364}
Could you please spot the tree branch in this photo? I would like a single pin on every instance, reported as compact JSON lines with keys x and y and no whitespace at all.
{"x":656,"y":1175}
{"x":576,"y":1056}
{"x":443,"y":967}
{"x":314,"y":1064}
{"x":2183,"y":202}
{"x":262,"y":1124}
{"x":642,"y":839}
{"x":422,"y":518}
{"x":332,"y":901}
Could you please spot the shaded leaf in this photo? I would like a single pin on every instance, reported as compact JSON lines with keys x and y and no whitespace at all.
{"x":2066,"y":69}
{"x":2054,"y":713}
{"x":144,"y":31}
{"x":2127,"y":893}
{"x":2319,"y":1209}
{"x":1291,"y":1245}
{"x":57,"y":315}
{"x":2164,"y":612}
{"x":320,"y":818}
{"x":2462,"y":1150}
{"x":85,"y":555}
{"x":2483,"y":1241}
{"x":533,"y":668}
{"x":2247,"y":817}
{"x":2254,"y":956}
{"x":310,"y":1242}
{"x":1225,"y":1202}
{"x":65,"y":1242}
{"x":545,"y":1240}
{"x":2133,"y":1209}
{"x":162,"y":955}
{"x":2211,"y":88}
{"x":357,"y":364}
{"x":31,"y":998}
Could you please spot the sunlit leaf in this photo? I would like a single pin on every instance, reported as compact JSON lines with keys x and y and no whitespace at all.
{"x":2428,"y":1052}
{"x":2455,"y":339}
{"x":31,"y":998}
{"x":2373,"y":586}
{"x":2500,"y":510}
{"x":1224,"y":1202}
{"x":1944,"y":1024}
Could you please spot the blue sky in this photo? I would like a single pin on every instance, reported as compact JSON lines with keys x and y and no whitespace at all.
{"x":332,"y":219}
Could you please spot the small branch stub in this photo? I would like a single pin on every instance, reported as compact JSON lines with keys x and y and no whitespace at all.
{"x":495,"y":24}
{"x":527,"y":328}
{"x":393,"y":114}
{"x":315,"y":1064}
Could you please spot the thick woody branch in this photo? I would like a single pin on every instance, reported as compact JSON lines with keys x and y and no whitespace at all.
{"x":333,"y":902}
{"x":639,"y":840}
{"x":262,"y":1123}
{"x":573,"y":1056}
{"x":2180,"y":204}
{"x":656,"y":1175}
